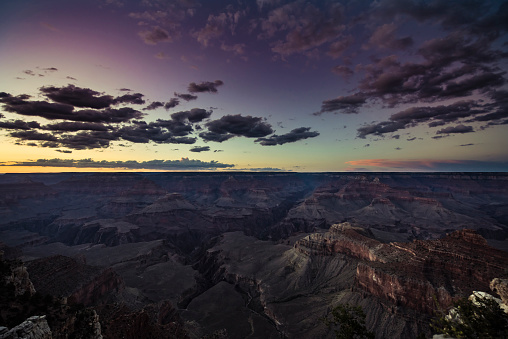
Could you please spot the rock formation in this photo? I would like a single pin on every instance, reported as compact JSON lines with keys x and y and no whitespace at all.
{"x":416,"y":274}
{"x":35,"y":327}
{"x":138,"y":247}
{"x":65,"y":277}
{"x":500,"y":286}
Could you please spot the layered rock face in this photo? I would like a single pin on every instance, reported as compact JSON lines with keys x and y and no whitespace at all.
{"x":415,"y":274}
{"x":75,"y":209}
{"x":424,"y":206}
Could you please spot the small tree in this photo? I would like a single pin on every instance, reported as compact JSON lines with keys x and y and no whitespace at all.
{"x":348,"y":322}
{"x":478,"y":317}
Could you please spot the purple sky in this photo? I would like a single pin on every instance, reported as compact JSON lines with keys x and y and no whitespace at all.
{"x":390,"y":85}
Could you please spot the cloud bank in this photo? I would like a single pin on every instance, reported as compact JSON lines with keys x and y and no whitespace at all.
{"x":182,"y":164}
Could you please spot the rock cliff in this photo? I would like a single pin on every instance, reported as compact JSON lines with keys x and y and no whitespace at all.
{"x":416,"y":274}
{"x":35,"y":327}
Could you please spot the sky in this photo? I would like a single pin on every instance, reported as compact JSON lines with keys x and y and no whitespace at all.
{"x":266,"y":85}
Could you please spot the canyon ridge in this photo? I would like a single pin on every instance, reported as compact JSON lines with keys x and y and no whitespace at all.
{"x":244,"y":255}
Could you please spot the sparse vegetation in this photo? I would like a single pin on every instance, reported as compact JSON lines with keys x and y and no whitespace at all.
{"x":348,"y":322}
{"x":478,"y":318}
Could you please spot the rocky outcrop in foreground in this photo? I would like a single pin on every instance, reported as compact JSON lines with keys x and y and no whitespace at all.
{"x":35,"y":327}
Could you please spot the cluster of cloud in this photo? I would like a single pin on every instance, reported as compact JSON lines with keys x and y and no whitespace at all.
{"x":495,"y":112}
{"x":289,"y":27}
{"x":182,"y":164}
{"x":460,"y":65}
{"x":88,"y":119}
{"x":295,"y":135}
{"x":203,"y":87}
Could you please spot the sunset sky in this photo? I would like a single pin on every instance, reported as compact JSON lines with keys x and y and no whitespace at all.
{"x":388,"y":85}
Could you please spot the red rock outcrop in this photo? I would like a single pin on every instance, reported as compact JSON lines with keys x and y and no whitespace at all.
{"x":415,"y":273}
{"x":418,"y":273}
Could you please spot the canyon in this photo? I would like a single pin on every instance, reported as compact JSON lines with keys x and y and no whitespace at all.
{"x":252,"y":255}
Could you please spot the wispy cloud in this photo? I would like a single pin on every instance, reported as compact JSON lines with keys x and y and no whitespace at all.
{"x":182,"y":164}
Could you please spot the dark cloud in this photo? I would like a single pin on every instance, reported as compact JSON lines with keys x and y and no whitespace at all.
{"x":380,"y":128}
{"x":79,"y":141}
{"x":142,"y":132}
{"x":206,"y":86}
{"x":87,"y":140}
{"x":194,"y":115}
{"x":173,"y":102}
{"x":156,"y":35}
{"x":211,"y":136}
{"x":384,"y":37}
{"x":153,"y":105}
{"x":464,"y":145}
{"x":177,"y":128}
{"x":343,"y":104}
{"x":218,"y":25}
{"x":68,"y":126}
{"x":182,"y":140}
{"x":200,"y":149}
{"x":436,"y":116}
{"x":456,"y":129}
{"x":50,"y":69}
{"x":33,"y":135}
{"x":293,"y":136}
{"x":136,"y":99}
{"x":63,"y":151}
{"x":186,"y":97}
{"x":52,"y":111}
{"x":19,"y":124}
{"x":40,"y":108}
{"x":299,"y":27}
{"x":453,"y":66}
{"x":236,"y":125}
{"x":437,"y":123}
{"x":77,"y":96}
{"x":29,"y":72}
{"x":182,"y":164}
{"x":478,"y":17}
{"x":160,"y":131}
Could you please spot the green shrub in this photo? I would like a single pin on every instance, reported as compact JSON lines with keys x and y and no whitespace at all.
{"x":480,"y":317}
{"x":348,"y":322}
